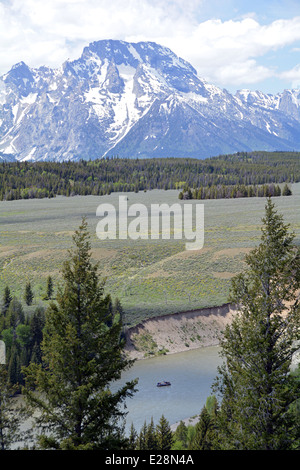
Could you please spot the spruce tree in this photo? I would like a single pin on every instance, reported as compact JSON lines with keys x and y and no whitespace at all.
{"x":37,"y":323}
{"x":141,"y":440}
{"x":14,"y":366}
{"x":133,"y":436}
{"x":82,"y":356}
{"x":203,"y":432}
{"x":7,"y":298}
{"x":150,"y":438}
{"x":164,"y":435}
{"x":286,"y":190}
{"x":28,"y":295}
{"x":255,"y":382}
{"x":49,"y":292}
{"x":180,"y":434}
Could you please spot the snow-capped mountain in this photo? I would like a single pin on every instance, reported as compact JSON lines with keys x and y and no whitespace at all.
{"x":136,"y":100}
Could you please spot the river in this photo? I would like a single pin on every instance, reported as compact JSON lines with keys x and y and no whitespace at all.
{"x":191,"y":374}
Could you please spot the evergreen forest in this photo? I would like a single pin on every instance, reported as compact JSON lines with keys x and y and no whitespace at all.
{"x":235,"y":191}
{"x":26,"y":180}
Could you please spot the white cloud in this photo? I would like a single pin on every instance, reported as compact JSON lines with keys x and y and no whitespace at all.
{"x":225,"y":52}
{"x":292,"y":76}
{"x":38,"y":32}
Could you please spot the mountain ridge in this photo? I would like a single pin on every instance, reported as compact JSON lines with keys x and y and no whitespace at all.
{"x":136,"y":100}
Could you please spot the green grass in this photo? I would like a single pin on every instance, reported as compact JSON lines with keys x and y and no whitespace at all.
{"x":150,"y":277}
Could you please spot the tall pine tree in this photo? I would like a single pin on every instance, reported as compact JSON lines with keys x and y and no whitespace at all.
{"x":164,"y":435}
{"x":28,"y":294}
{"x":49,"y":291}
{"x":7,"y":298}
{"x":203,"y":432}
{"x":83,"y":356}
{"x":255,"y":381}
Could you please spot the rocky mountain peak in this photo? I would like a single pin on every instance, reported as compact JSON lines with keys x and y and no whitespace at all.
{"x":136,"y":100}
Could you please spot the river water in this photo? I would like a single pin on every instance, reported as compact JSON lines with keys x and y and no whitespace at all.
{"x":191,"y":374}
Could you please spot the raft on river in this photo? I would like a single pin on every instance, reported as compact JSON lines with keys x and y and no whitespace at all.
{"x":163,"y":384}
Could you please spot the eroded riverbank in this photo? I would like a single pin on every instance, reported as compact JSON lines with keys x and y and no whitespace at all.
{"x":179,"y":332}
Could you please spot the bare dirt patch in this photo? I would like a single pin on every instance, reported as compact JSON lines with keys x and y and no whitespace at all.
{"x":231,"y":252}
{"x":103,"y":253}
{"x":178,"y":332}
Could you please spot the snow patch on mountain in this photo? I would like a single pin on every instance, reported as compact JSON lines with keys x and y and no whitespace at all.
{"x":136,"y":99}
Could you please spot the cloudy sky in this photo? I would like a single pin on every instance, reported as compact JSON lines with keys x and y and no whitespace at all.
{"x":234,"y":44}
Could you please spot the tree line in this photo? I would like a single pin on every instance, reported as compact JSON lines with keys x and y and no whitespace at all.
{"x":27,"y":180}
{"x":22,"y":332}
{"x":82,"y":354}
{"x":199,"y":436}
{"x":234,"y":191}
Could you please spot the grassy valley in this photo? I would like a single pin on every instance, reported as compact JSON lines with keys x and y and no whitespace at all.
{"x":150,"y":277}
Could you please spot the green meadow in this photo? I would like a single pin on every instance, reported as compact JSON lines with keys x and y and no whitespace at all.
{"x":150,"y":277}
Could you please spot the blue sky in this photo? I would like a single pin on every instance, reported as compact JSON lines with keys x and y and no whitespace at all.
{"x":233,"y":44}
{"x":265,"y":11}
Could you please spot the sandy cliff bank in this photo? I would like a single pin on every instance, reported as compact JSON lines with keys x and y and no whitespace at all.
{"x":178,"y":332}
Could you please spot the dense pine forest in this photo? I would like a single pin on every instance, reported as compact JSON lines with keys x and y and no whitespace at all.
{"x":234,"y":191}
{"x":26,"y":180}
{"x":21,"y":328}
